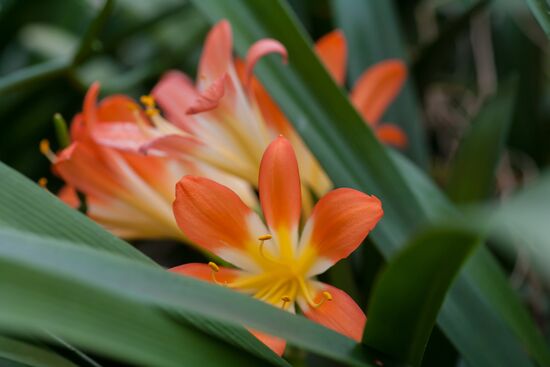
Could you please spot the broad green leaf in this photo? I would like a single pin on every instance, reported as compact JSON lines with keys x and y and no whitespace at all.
{"x":521,"y":223}
{"x":121,"y":307}
{"x":421,"y":274}
{"x":101,"y":321}
{"x":541,"y":11}
{"x":353,"y":157}
{"x":473,"y":172}
{"x":373,"y":33}
{"x":30,"y":355}
{"x":27,"y":207}
{"x":21,"y":79}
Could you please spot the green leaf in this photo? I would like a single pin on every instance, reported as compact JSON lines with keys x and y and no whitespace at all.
{"x":410,"y":291}
{"x":361,"y":22}
{"x":473,"y":172}
{"x":30,"y":355}
{"x":353,"y":157}
{"x":541,"y":11}
{"x":85,"y":49}
{"x":521,"y":223}
{"x":20,"y":79}
{"x":121,"y":308}
{"x":27,"y":207}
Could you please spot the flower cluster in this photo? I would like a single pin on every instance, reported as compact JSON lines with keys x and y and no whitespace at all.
{"x":184,"y":164}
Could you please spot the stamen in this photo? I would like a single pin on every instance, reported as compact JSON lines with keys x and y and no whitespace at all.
{"x":263,"y":238}
{"x":215,"y":268}
{"x":148,"y":101}
{"x":285,"y":300}
{"x":43,"y":182}
{"x":327,"y":296}
{"x":151,"y":111}
{"x":46,"y":151}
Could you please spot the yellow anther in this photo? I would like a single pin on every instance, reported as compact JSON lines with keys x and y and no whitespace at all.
{"x":215,"y":268}
{"x":148,"y":101}
{"x":151,"y":111}
{"x":45,"y":149}
{"x":285,"y":300}
{"x":43,"y":182}
{"x":45,"y":146}
{"x":326,"y":297}
{"x":212,"y":265}
{"x":132,"y":106}
{"x":265,"y":237}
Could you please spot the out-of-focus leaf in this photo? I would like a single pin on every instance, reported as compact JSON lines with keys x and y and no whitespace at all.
{"x":33,"y":74}
{"x":410,"y":291}
{"x":30,"y":355}
{"x":522,"y":223}
{"x":473,"y":172}
{"x":541,"y":11}
{"x":353,"y":157}
{"x":373,"y":33}
{"x":27,"y":207}
{"x":86,"y":45}
{"x":55,"y":285}
{"x":48,"y":41}
{"x":37,"y":302}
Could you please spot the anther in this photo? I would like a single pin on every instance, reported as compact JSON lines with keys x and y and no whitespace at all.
{"x":148,"y":101}
{"x":263,"y":238}
{"x":45,"y":149}
{"x":214,"y":269}
{"x":151,"y":111}
{"x":43,"y":182}
{"x":326,"y":297}
{"x":285,"y":300}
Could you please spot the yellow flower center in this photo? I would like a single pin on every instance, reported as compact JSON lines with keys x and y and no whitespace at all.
{"x":283,"y":278}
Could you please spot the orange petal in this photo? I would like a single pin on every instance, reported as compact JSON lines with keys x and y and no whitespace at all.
{"x":277,"y":345}
{"x":204,"y":272}
{"x":171,"y":145}
{"x":260,"y":49}
{"x":341,"y":314}
{"x":82,"y":167}
{"x":340,"y":221}
{"x":216,"y":55}
{"x":175,"y":93}
{"x":333,"y":51}
{"x":89,"y":112}
{"x":279,"y":187}
{"x":117,"y":108}
{"x":126,"y":136}
{"x":214,"y":217}
{"x":392,"y":135}
{"x":68,"y":195}
{"x":210,"y":98}
{"x":377,"y":87}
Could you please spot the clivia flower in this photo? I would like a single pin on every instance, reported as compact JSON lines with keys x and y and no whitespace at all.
{"x":216,"y":120}
{"x":371,"y":95}
{"x":277,"y":263}
{"x":128,"y":193}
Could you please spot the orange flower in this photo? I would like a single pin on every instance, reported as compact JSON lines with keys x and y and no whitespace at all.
{"x":277,"y":264}
{"x":128,"y":193}
{"x":217,"y":119}
{"x":374,"y":90}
